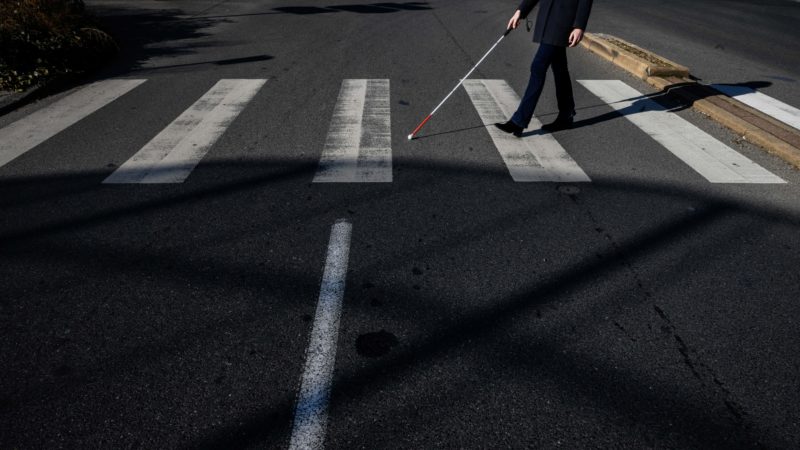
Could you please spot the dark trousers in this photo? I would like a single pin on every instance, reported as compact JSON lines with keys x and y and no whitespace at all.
{"x":547,"y":56}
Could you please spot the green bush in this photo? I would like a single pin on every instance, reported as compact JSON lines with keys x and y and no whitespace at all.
{"x":41,"y":39}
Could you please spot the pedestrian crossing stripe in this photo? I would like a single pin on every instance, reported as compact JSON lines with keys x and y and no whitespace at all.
{"x":712,"y":159}
{"x":358,"y":147}
{"x":172,"y":155}
{"x":536,"y":157}
{"x":764,"y":103}
{"x":23,"y":135}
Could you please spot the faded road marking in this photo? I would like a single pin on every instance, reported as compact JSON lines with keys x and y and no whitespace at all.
{"x":172,"y":155}
{"x":358,"y":148}
{"x":28,"y":132}
{"x":311,"y":415}
{"x":536,"y":157}
{"x":712,"y":159}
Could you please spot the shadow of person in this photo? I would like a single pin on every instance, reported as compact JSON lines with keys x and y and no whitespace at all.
{"x":674,"y":98}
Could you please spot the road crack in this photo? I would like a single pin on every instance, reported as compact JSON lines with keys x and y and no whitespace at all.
{"x":703,"y":372}
{"x":707,"y":377}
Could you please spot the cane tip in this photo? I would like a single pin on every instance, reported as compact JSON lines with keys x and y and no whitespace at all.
{"x":410,"y":137}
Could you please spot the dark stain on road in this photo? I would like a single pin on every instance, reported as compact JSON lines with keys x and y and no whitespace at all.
{"x":373,"y":8}
{"x":62,"y":371}
{"x":246,"y":59}
{"x":569,"y":190}
{"x":375,"y":345}
{"x":779,"y":78}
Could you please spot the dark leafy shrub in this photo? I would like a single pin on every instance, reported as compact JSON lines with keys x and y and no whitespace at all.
{"x":40,"y":39}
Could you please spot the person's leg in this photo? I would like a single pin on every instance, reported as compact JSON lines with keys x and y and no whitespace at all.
{"x":527,"y":105}
{"x":566,"y":101}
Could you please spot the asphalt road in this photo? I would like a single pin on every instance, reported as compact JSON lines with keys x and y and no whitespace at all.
{"x":648,"y":308}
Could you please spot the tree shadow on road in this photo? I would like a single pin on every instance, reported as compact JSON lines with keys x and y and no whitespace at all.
{"x":608,"y":387}
{"x":146,"y":34}
{"x":371,"y":8}
{"x":141,"y":35}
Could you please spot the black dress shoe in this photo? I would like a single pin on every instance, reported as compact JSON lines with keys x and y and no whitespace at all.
{"x":561,"y":123}
{"x":510,"y":127}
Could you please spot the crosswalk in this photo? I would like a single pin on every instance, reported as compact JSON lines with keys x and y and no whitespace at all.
{"x":772,"y":107}
{"x":25,"y":134}
{"x":538,"y":157}
{"x":709,"y":157}
{"x":358,"y":144}
{"x":173,"y":153}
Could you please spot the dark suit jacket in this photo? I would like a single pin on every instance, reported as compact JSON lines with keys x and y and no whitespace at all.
{"x":557,"y":19}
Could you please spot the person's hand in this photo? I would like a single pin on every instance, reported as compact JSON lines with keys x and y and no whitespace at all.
{"x":514,"y":22}
{"x":575,"y":37}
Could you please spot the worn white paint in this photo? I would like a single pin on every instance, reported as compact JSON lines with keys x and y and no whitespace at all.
{"x":172,"y":155}
{"x":709,"y":157}
{"x":30,"y":131}
{"x":358,"y":147}
{"x":772,"y":107}
{"x":535,"y":157}
{"x":311,"y":415}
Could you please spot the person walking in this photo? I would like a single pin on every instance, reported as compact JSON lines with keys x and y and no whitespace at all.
{"x":559,"y":24}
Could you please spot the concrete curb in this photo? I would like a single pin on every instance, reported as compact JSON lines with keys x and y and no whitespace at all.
{"x":631,"y":57}
{"x":9,"y":101}
{"x":9,"y":98}
{"x":752,"y":125}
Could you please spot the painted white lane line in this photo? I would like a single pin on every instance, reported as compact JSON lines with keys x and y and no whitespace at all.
{"x":709,"y":157}
{"x":30,"y":131}
{"x":538,"y":157}
{"x":358,"y":148}
{"x":172,"y":155}
{"x":772,"y":107}
{"x":311,"y":415}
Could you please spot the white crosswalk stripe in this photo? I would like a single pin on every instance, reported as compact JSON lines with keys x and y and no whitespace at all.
{"x":762,"y":102}
{"x":172,"y":155}
{"x":26,"y":133}
{"x":537,"y":157}
{"x":709,"y":157}
{"x":358,"y":147}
